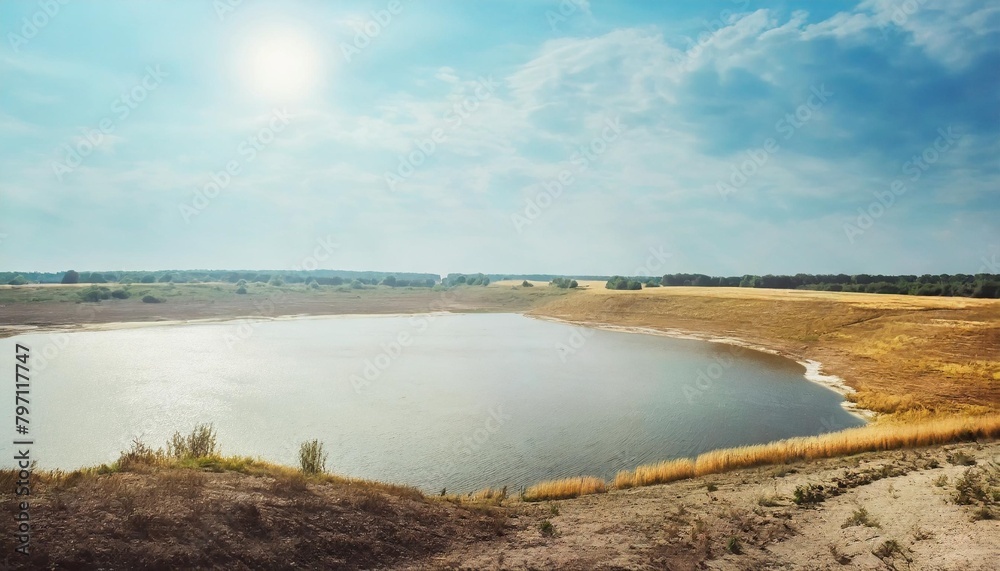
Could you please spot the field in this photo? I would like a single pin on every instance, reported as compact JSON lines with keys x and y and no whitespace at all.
{"x":906,"y":356}
{"x":931,"y":496}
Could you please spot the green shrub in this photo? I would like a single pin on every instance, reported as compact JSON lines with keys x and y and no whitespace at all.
{"x":18,"y":280}
{"x":860,"y":517}
{"x":809,"y":494}
{"x":547,"y":528}
{"x":199,"y":444}
{"x":136,"y":456}
{"x":312,"y":458}
{"x":526,"y":283}
{"x":151,"y":299}
{"x":241,"y":290}
{"x":120,"y":294}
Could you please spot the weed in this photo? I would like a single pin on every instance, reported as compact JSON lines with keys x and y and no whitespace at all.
{"x":961,"y":459}
{"x":860,"y":517}
{"x":809,"y":494}
{"x":312,"y":458}
{"x":733,"y":545}
{"x":547,"y":529}
{"x":983,"y":513}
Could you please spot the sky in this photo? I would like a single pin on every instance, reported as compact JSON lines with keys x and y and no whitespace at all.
{"x":574,"y":137}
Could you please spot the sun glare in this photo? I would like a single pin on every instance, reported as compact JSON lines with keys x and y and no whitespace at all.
{"x":280,"y":64}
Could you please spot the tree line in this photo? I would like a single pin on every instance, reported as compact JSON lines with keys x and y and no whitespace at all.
{"x":965,"y":285}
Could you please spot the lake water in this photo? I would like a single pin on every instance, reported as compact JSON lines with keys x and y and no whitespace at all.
{"x":455,"y":400}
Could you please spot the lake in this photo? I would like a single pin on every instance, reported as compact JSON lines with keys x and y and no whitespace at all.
{"x":436,"y":400}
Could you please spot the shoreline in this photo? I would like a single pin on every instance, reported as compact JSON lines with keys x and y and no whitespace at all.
{"x":813,"y":369}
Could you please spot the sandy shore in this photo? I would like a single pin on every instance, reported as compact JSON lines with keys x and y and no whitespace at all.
{"x":813,"y":369}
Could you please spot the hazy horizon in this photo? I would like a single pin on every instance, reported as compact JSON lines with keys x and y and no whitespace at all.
{"x":568,"y":138}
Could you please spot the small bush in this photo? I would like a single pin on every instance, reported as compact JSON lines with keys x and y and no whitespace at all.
{"x":139,"y":455}
{"x":961,"y":459}
{"x":241,"y":290}
{"x":889,"y":549}
{"x":860,"y":517}
{"x":526,"y":283}
{"x":547,"y":529}
{"x":768,"y":501}
{"x":983,"y":513}
{"x":312,"y":458}
{"x":200,"y":443}
{"x":711,"y":487}
{"x":120,"y":294}
{"x":733,"y":546}
{"x":810,"y":494}
{"x":151,"y":299}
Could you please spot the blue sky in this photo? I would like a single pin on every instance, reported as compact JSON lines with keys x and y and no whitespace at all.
{"x":578,"y":137}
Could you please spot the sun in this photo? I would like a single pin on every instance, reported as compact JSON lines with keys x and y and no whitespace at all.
{"x":280,"y":64}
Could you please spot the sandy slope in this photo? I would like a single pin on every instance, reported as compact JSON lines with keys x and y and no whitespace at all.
{"x":685,"y":526}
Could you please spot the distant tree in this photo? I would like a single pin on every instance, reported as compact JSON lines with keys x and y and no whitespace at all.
{"x":276,"y":281}
{"x":389,"y":281}
{"x":151,"y":299}
{"x":165,"y":278}
{"x":18,"y":280}
{"x":148,"y":279}
{"x":526,"y":283}
{"x":120,"y":294}
{"x":71,"y":277}
{"x":987,"y":290}
{"x":240,"y":290}
{"x":621,"y":282}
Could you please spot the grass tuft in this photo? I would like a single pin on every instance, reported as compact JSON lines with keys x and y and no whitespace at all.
{"x":565,"y":489}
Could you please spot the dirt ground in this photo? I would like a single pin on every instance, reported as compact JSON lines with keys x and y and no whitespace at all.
{"x":748,"y":520}
{"x":913,"y":518}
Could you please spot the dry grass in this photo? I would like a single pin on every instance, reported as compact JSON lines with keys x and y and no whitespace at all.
{"x":871,"y":438}
{"x":659,"y":473}
{"x":876,"y":437}
{"x":565,"y":488}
